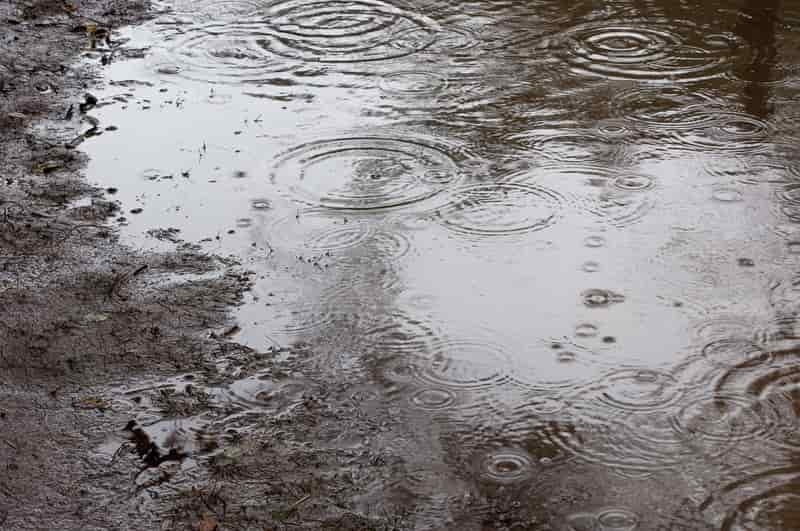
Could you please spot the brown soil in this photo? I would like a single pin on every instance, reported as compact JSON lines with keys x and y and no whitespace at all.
{"x":80,"y":311}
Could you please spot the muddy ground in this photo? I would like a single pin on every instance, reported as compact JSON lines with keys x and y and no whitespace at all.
{"x":84,"y":316}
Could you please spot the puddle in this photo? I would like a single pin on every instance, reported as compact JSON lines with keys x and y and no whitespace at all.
{"x":509,"y":221}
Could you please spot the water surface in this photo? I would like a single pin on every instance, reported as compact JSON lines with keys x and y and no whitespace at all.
{"x":562,"y":237}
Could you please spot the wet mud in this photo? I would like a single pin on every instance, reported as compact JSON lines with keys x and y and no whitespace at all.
{"x":406,"y":265}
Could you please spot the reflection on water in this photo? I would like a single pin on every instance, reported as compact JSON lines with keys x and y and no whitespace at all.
{"x":558,"y":238}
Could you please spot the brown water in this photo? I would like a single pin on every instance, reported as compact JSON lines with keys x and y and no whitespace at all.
{"x":561,"y":237}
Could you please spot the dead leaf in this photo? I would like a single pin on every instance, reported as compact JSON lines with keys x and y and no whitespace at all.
{"x":93,"y":402}
{"x":208,"y":523}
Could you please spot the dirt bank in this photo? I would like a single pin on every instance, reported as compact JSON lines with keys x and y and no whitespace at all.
{"x":80,"y":311}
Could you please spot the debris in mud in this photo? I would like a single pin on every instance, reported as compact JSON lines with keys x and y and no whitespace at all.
{"x":149,"y":452}
{"x":89,"y":101}
{"x":170,"y":234}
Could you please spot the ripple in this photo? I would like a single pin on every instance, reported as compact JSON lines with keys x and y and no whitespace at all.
{"x":618,"y":519}
{"x":501,"y":209}
{"x":391,"y":244}
{"x":566,"y":146}
{"x":317,"y":231}
{"x":454,"y":41}
{"x":466,"y":364}
{"x":556,"y":370}
{"x":506,"y":466}
{"x":782,"y":330}
{"x":735,"y":353}
{"x":366,"y":173}
{"x":620,"y":209}
{"x":595,"y":190}
{"x":217,"y":10}
{"x":633,"y":183}
{"x":296,"y":315}
{"x":400,"y":334}
{"x":413,"y":83}
{"x":221,"y":52}
{"x":724,"y":327}
{"x":779,"y":388}
{"x":666,"y":107}
{"x":348,"y":31}
{"x":433,"y":399}
{"x":399,"y":370}
{"x":639,"y":390}
{"x":724,"y":418}
{"x":723,"y":130}
{"x":789,"y":202}
{"x":776,"y":509}
{"x":632,"y":444}
{"x":648,"y":50}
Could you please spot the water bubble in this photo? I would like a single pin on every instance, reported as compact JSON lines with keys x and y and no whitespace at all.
{"x":590,"y":266}
{"x":506,"y":466}
{"x":594,"y":241}
{"x":601,"y":298}
{"x":618,"y":520}
{"x":586,"y":330}
{"x":168,"y":69}
{"x":364,"y":173}
{"x":726,"y":195}
{"x":501,"y":209}
{"x":566,"y":356}
{"x":261,"y":204}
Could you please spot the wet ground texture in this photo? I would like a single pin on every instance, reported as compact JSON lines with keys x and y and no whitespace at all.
{"x":500,"y":265}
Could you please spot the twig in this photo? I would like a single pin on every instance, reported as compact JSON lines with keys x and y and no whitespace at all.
{"x":298,"y":503}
